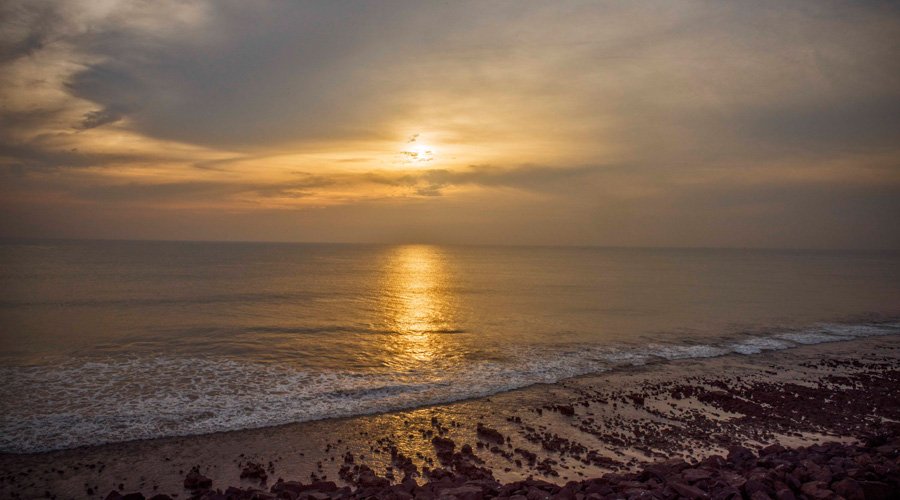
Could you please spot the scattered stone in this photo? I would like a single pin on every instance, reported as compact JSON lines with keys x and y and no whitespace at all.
{"x":253,"y":470}
{"x":196,"y":481}
{"x":489,"y":434}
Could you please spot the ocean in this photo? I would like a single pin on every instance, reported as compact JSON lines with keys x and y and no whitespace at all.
{"x":109,"y":341}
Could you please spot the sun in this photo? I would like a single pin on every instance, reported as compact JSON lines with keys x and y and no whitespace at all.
{"x":418,"y":153}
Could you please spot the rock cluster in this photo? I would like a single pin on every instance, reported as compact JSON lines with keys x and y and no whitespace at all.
{"x":820,"y":472}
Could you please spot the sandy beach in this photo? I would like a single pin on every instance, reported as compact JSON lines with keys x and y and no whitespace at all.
{"x":580,"y":428}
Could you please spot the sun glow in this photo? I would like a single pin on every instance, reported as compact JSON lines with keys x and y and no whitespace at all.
{"x":418,"y":153}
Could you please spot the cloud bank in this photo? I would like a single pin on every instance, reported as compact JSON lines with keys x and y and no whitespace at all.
{"x":771,"y":124}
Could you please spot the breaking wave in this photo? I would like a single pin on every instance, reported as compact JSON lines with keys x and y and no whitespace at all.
{"x":90,"y":402}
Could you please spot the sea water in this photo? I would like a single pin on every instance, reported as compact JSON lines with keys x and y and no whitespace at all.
{"x":111,"y":341}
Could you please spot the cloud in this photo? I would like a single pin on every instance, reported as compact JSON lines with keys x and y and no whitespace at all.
{"x":193,"y":191}
{"x":100,"y":117}
{"x":35,"y":155}
{"x":866,"y":122}
{"x":660,"y":116}
{"x":27,"y":28}
{"x":248,"y":76}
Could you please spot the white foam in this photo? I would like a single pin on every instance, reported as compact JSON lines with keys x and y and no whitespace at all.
{"x":88,"y":402}
{"x":812,"y":337}
{"x":757,"y":345}
{"x":85,"y":403}
{"x":861,"y":330}
{"x":673,"y":352}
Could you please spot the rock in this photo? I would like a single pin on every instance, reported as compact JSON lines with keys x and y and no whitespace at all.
{"x":209,"y":495}
{"x":567,"y":410}
{"x":759,"y":495}
{"x":408,"y":485}
{"x":443,"y":444}
{"x":734,"y":480}
{"x":327,"y":486}
{"x":816,"y":489}
{"x":688,"y":491}
{"x":568,"y":492}
{"x":785,"y":494}
{"x":891,"y":449}
{"x":196,"y":481}
{"x":714,"y":461}
{"x":443,"y":448}
{"x":771,"y":450}
{"x":875,"y":490}
{"x":740,"y":456}
{"x":668,"y":468}
{"x":755,"y":485}
{"x":694,"y":475}
{"x":793,"y":481}
{"x":115,"y":495}
{"x":465,"y":492}
{"x":537,"y":494}
{"x":631,"y":494}
{"x":254,"y":471}
{"x":849,"y":489}
{"x":294,"y":487}
{"x":489,"y":434}
{"x":599,"y":487}
{"x":725,"y":494}
{"x":368,"y":479}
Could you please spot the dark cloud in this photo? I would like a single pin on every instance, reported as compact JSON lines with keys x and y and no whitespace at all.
{"x":100,"y":117}
{"x":855,"y":123}
{"x":27,"y":28}
{"x":35,"y":155}
{"x":296,"y":71}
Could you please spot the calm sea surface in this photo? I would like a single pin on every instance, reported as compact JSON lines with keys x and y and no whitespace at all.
{"x":112,"y":341}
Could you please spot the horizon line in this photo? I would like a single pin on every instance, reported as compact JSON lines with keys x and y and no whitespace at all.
{"x":4,"y":239}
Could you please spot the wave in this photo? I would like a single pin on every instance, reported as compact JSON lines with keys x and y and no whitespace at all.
{"x":91,"y":402}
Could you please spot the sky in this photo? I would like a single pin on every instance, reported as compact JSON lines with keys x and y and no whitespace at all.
{"x":653,"y":123}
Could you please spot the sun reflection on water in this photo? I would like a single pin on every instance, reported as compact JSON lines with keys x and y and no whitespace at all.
{"x":417,"y":306}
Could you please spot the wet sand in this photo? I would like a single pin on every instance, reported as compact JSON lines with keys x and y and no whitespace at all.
{"x":579,"y":428}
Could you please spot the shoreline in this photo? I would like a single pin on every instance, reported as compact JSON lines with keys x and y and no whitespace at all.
{"x":577,"y":428}
{"x":244,"y":387}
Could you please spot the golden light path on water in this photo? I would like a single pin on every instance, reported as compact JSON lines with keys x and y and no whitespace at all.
{"x":419,"y":312}
{"x":417,"y":307}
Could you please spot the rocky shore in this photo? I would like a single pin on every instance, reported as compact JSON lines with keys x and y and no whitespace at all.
{"x":815,"y":422}
{"x":827,"y":471}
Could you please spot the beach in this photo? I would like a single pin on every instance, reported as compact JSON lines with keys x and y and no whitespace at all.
{"x":425,"y":250}
{"x":573,"y":430}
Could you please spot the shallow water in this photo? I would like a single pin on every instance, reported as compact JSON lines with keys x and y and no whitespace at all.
{"x":111,"y":341}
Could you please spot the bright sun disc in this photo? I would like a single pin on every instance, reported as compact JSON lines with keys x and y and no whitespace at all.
{"x":419,"y":153}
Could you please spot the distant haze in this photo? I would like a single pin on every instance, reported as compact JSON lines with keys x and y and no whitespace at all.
{"x":669,"y":123}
